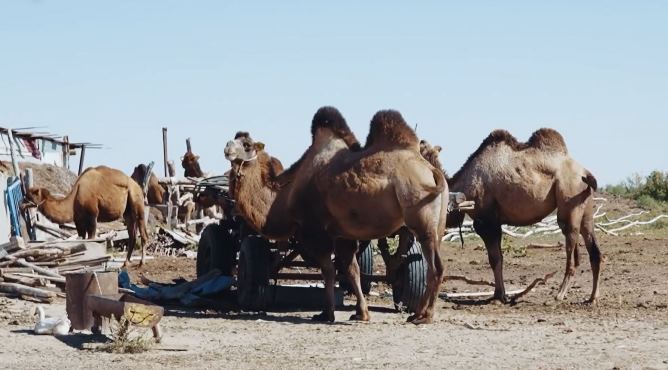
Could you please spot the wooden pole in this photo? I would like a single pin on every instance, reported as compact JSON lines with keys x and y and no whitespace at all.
{"x":30,"y":213}
{"x":190,"y":149}
{"x":82,"y":155}
{"x":66,"y":152}
{"x":164,"y":149}
{"x":15,"y":164}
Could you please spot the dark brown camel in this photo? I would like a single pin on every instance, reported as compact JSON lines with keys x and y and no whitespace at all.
{"x":155,"y":193}
{"x":190,"y":163}
{"x":340,"y":193}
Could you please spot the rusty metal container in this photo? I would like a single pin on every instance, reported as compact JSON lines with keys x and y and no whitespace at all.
{"x":78,"y":286}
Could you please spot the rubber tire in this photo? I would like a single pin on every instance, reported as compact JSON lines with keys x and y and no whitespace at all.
{"x":365,"y":262}
{"x":253,"y":273}
{"x":412,"y":284}
{"x":217,"y":249}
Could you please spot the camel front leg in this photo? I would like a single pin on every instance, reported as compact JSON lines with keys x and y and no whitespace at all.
{"x":346,"y":254}
{"x":490,"y":232}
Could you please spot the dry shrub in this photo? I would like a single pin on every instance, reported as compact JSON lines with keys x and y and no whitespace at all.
{"x":125,"y":338}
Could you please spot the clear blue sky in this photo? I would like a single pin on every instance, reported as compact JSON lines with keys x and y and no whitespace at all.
{"x":115,"y":72}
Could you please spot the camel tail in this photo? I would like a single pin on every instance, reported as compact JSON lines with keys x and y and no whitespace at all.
{"x":590,"y":180}
{"x":439,"y":177}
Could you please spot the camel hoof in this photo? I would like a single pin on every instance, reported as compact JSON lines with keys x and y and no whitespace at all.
{"x":358,"y":317}
{"x":420,"y":320}
{"x":324,"y":317}
{"x":591,"y":302}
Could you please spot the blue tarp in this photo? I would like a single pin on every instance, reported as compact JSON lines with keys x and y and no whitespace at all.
{"x":186,"y":293}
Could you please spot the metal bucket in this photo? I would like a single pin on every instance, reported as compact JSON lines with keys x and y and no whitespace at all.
{"x":78,"y":286}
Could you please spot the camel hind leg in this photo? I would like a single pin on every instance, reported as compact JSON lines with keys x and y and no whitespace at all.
{"x":595,"y":257}
{"x":425,"y":226}
{"x":569,"y":222}
{"x":130,"y":222}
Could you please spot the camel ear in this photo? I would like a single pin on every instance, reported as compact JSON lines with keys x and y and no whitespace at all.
{"x":197,"y":158}
{"x":438,"y":148}
{"x":182,"y":159}
{"x":259,"y":146}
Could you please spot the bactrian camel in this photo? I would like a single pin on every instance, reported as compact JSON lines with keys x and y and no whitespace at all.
{"x":339,"y":192}
{"x":100,"y":194}
{"x":514,"y":183}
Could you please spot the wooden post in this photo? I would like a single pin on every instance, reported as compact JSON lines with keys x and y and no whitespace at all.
{"x":82,"y":155}
{"x":190,"y":149}
{"x":30,"y":213}
{"x":66,"y":152}
{"x":15,"y":164}
{"x":164,"y":149}
{"x":171,"y":169}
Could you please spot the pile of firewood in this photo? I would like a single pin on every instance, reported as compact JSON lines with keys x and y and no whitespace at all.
{"x":35,"y":271}
{"x":550,"y":226}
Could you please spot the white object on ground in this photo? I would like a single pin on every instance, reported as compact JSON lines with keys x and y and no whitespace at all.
{"x":51,"y":325}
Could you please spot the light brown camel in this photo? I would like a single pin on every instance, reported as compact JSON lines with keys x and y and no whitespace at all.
{"x":100,"y":194}
{"x":339,"y":193}
{"x":519,"y":184}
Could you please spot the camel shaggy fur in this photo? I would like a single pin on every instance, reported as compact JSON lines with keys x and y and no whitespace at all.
{"x":514,"y":183}
{"x":190,"y":163}
{"x":339,"y":192}
{"x":100,"y":194}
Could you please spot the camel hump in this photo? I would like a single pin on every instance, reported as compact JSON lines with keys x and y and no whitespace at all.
{"x":388,"y":128}
{"x":330,"y":118}
{"x":548,"y":139}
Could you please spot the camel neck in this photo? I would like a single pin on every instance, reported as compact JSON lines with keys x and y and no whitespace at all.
{"x":262,"y":207}
{"x":59,"y":210}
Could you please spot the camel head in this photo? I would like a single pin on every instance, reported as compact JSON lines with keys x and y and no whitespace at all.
{"x":35,"y":197}
{"x":242,"y":149}
{"x":190,"y":163}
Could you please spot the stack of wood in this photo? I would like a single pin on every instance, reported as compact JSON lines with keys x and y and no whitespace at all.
{"x":35,"y":271}
{"x":550,"y":226}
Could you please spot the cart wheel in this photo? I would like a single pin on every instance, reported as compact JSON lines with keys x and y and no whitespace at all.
{"x":411,"y":283}
{"x":253,"y":275}
{"x":365,"y":262}
{"x":217,"y":249}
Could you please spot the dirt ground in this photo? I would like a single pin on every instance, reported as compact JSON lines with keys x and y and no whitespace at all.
{"x":627,"y":329}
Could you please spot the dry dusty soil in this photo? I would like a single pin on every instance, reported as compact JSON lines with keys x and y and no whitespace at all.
{"x":628,"y":329}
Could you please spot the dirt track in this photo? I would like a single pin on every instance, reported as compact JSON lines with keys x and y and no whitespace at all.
{"x":628,"y":329}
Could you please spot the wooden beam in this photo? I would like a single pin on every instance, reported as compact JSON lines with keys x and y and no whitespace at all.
{"x":164,"y":150}
{"x":82,"y":155}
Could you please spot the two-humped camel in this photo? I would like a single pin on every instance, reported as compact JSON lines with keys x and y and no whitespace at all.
{"x":519,"y":184}
{"x":339,"y":192}
{"x":100,"y":194}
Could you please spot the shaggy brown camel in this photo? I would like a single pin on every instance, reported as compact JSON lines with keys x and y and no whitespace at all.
{"x":100,"y":194}
{"x":155,"y":193}
{"x":339,"y":193}
{"x":519,"y":184}
{"x":190,"y":163}
{"x":259,"y":200}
